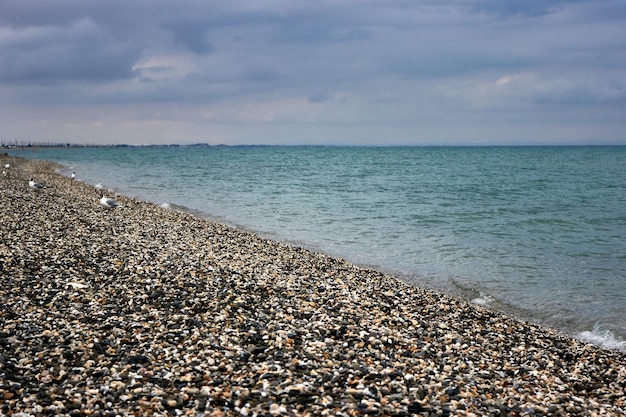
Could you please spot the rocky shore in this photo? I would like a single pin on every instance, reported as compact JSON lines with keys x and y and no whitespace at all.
{"x":141,"y":310}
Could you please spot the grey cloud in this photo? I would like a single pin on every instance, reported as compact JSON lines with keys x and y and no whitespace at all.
{"x":575,"y":92}
{"x":527,"y":8}
{"x":321,"y":28}
{"x":64,"y":41}
{"x":193,"y":34}
{"x":29,"y":13}
{"x":319,"y":97}
{"x":62,"y":54}
{"x":117,"y":16}
{"x":198,"y":51}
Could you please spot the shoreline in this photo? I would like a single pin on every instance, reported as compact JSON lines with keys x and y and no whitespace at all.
{"x":583,"y":303}
{"x":144,"y":309}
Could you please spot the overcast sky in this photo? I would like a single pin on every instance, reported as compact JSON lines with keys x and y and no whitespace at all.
{"x":418,"y":72}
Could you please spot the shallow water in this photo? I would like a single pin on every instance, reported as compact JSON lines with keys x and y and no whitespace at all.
{"x":539,"y":232}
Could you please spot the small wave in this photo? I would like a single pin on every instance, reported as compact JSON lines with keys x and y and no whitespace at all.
{"x":603,"y":338}
{"x":483,"y":300}
{"x":182,"y":209}
{"x":474,"y":295}
{"x":102,"y":187}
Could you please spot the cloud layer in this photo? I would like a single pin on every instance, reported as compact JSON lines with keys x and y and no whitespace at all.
{"x":328,"y":72}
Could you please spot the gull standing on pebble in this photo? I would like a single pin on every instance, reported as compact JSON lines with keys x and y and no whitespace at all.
{"x":36,"y":185}
{"x":73,"y":175}
{"x":108,"y":202}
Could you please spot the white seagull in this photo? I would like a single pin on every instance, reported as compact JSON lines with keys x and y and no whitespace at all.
{"x":108,"y":202}
{"x":33,"y":184}
{"x":73,"y":175}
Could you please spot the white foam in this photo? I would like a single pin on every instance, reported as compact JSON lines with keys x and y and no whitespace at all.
{"x":100,"y":186}
{"x":483,"y":299}
{"x":603,"y":338}
{"x":166,"y":205}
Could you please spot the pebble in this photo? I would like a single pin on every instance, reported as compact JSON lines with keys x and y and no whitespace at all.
{"x":146,"y":310}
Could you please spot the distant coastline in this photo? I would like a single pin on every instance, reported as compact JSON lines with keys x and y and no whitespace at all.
{"x":22,"y":145}
{"x":35,"y":145}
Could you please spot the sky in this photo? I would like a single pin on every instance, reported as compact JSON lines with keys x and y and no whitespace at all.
{"x":328,"y":72}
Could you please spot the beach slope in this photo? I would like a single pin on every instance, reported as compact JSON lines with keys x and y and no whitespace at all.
{"x":144,"y":310}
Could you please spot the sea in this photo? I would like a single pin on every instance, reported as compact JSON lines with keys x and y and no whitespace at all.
{"x":536,"y":232}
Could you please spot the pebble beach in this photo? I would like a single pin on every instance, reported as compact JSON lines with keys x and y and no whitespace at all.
{"x":143,"y":310}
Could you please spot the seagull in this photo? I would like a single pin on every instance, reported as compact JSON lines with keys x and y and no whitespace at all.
{"x":73,"y":175}
{"x":7,"y":166}
{"x":33,"y":184}
{"x":108,"y":202}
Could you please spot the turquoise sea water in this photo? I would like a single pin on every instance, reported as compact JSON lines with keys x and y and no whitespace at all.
{"x":538,"y":232}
